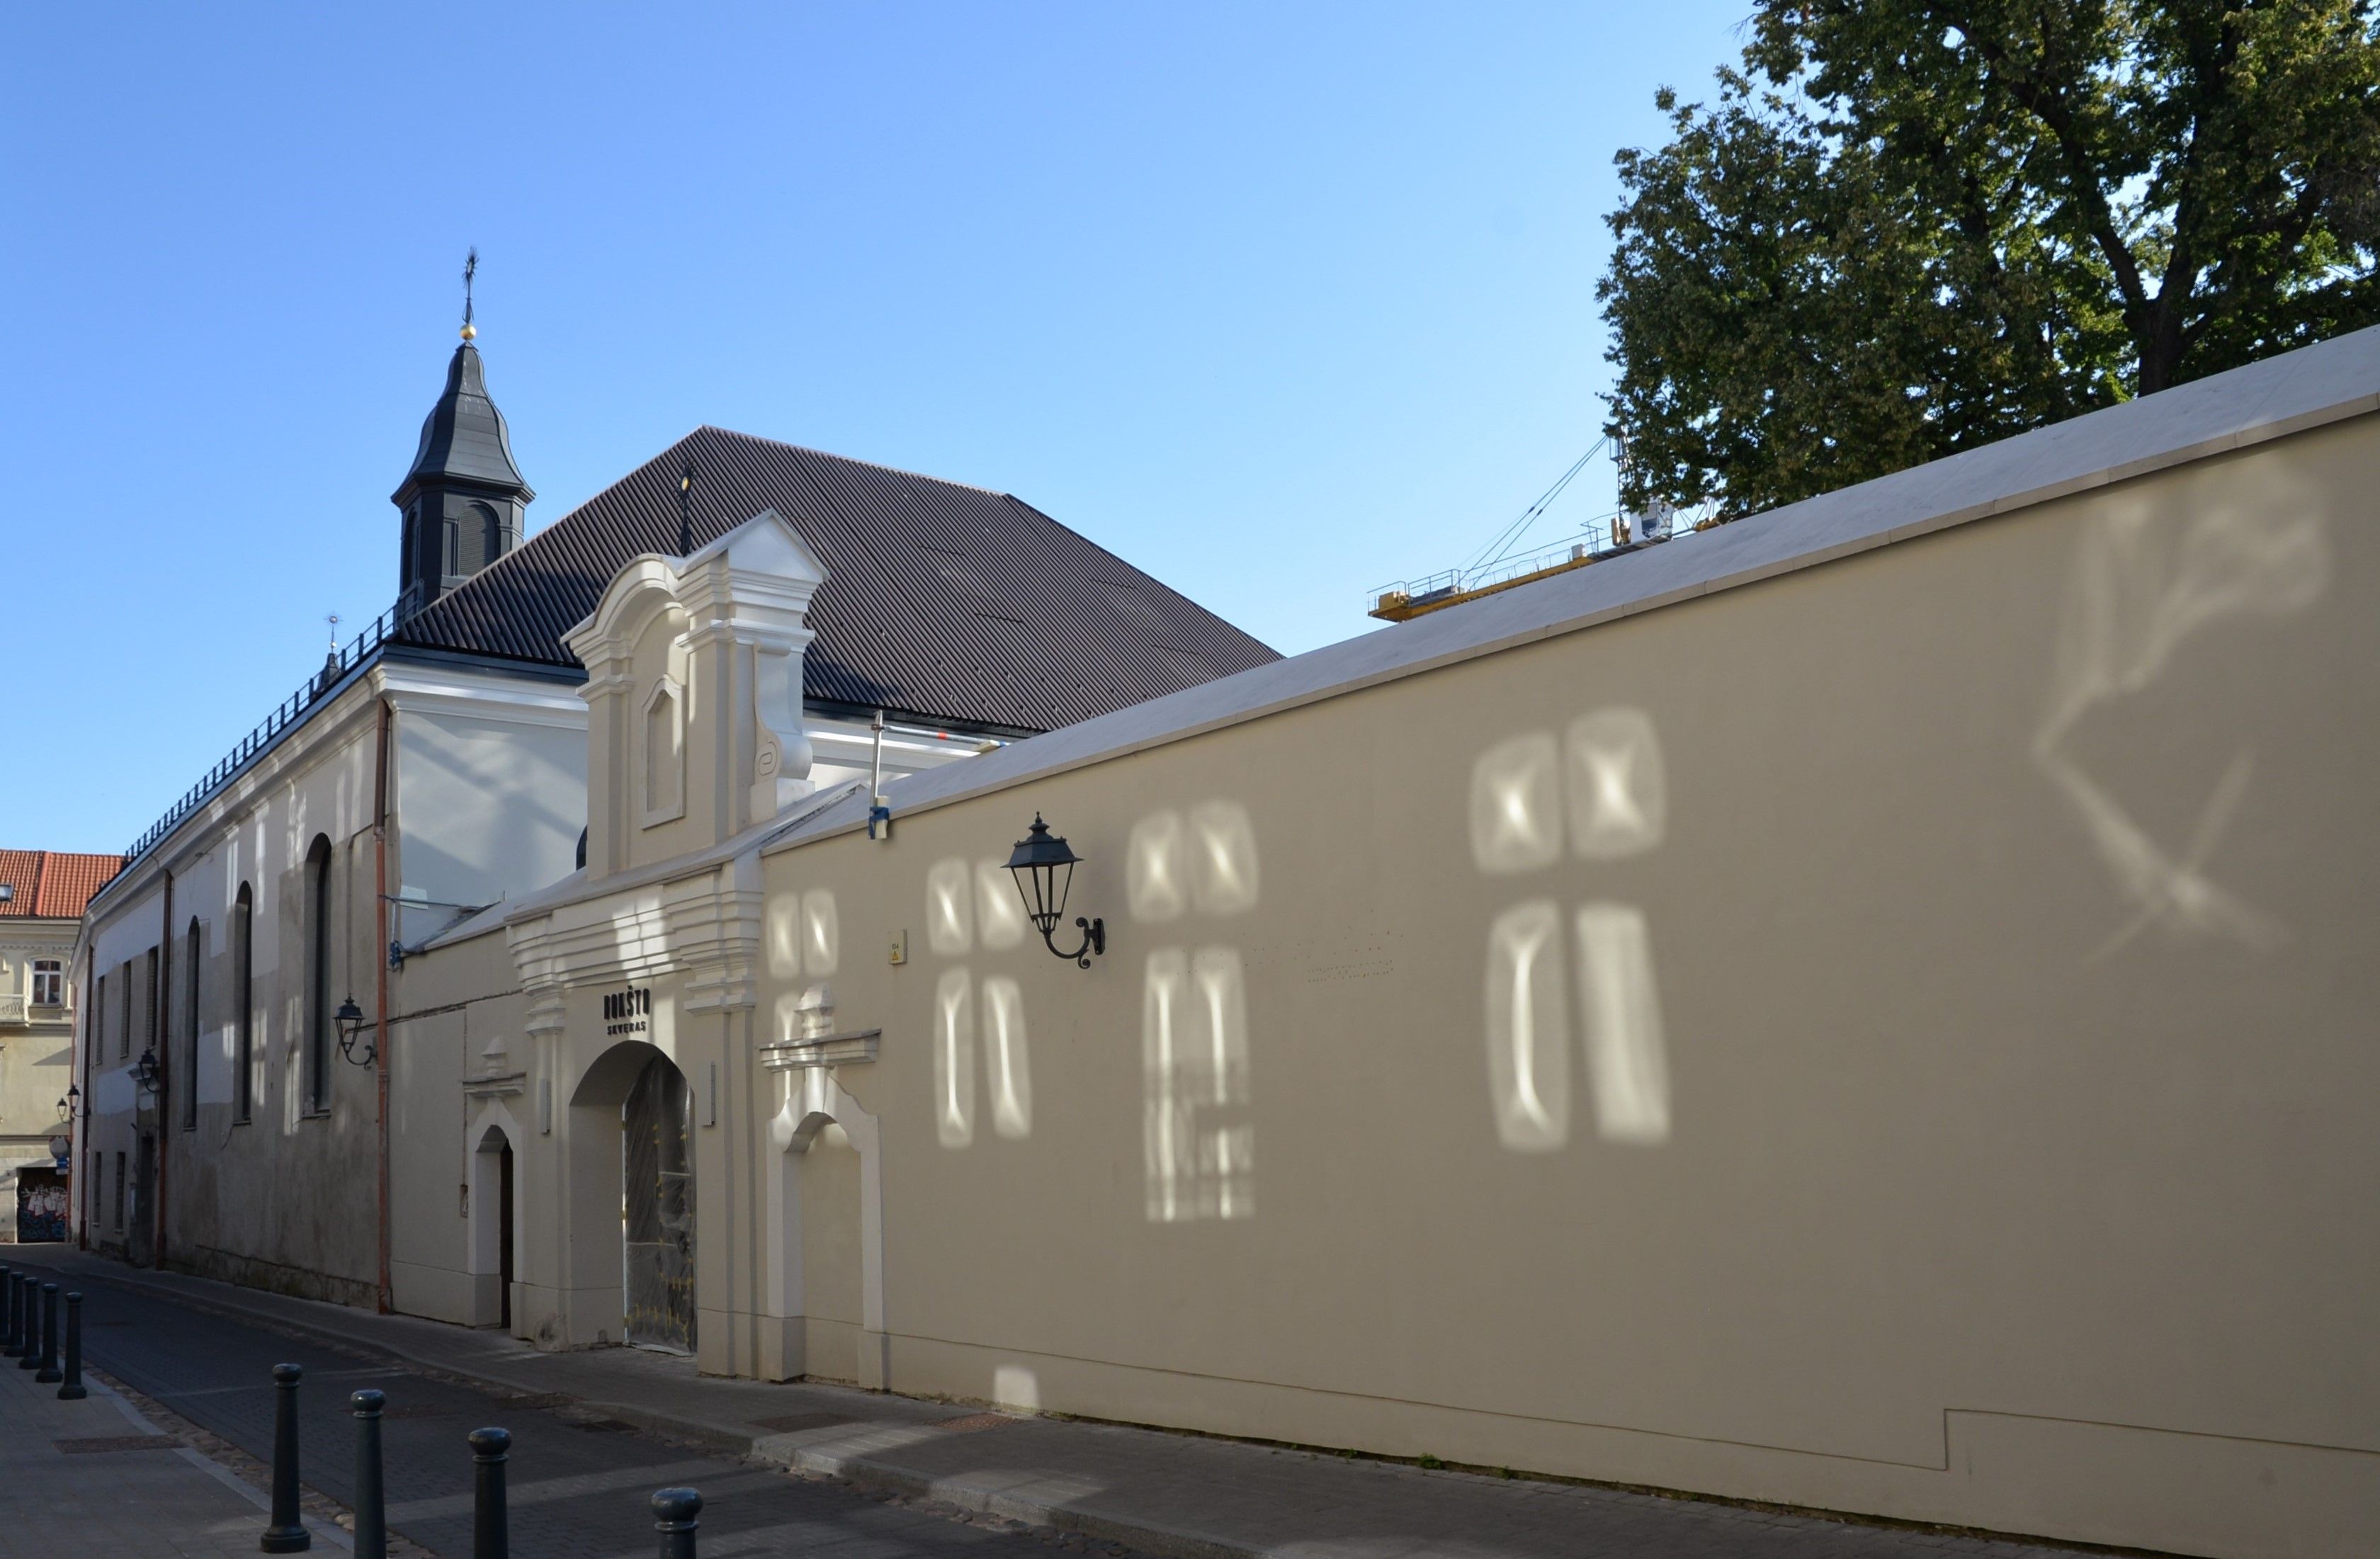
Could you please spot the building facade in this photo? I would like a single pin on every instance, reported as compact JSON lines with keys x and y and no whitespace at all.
{"x":1867,"y":1008}
{"x":246,"y":1096}
{"x":42,"y":897}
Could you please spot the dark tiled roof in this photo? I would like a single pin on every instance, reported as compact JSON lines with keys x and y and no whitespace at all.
{"x":53,"y":884}
{"x":943,"y":603}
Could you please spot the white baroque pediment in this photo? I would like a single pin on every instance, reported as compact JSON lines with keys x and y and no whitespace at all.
{"x":720,"y":636}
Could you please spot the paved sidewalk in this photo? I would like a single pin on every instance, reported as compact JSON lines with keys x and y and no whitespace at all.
{"x":77,"y":1480}
{"x":1160,"y":1493}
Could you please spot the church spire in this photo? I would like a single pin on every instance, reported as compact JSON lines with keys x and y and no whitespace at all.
{"x":463,"y":498}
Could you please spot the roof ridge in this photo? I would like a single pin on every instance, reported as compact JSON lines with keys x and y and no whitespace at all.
{"x":846,"y":459}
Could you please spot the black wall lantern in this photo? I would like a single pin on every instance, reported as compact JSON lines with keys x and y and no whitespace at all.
{"x":1045,"y":870}
{"x":350,"y":1019}
{"x":144,"y":1076}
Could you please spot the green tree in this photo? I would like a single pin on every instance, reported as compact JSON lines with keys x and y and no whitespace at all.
{"x":1907,"y":227}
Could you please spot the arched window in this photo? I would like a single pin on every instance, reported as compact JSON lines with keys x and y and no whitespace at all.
{"x":243,"y":1003}
{"x":664,"y":756}
{"x":480,"y":536}
{"x":319,"y":1006}
{"x":189,"y":1078}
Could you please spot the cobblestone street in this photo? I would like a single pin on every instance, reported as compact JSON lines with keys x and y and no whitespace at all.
{"x":578,"y":1482}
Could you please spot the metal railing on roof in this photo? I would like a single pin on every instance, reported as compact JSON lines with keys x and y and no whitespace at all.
{"x":336,"y":667}
{"x":1596,"y":540}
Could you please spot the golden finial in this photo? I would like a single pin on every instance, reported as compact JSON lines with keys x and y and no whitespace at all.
{"x":471,"y":269}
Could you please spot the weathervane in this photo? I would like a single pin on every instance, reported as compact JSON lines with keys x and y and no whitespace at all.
{"x":686,"y":510}
{"x":334,"y":620}
{"x":471,"y":269}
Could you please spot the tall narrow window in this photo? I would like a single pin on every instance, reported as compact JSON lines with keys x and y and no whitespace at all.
{"x":49,"y":983}
{"x":243,"y":1005}
{"x":117,"y":1223}
{"x":189,"y":1080}
{"x":124,"y":1013}
{"x":664,"y":756}
{"x":318,"y":974}
{"x":154,"y":993}
{"x":480,"y":535}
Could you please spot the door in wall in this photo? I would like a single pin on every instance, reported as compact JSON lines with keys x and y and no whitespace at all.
{"x":504,"y":1239}
{"x":658,"y":1208}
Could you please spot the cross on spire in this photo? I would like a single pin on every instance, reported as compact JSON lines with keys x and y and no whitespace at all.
{"x":471,"y":269}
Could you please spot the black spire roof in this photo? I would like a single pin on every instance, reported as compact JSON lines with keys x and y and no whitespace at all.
{"x":463,"y":437}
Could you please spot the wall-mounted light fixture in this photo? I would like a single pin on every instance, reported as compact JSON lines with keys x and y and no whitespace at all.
{"x":1045,"y":870}
{"x":71,"y":1105}
{"x":350,"y":1019}
{"x":144,"y":1076}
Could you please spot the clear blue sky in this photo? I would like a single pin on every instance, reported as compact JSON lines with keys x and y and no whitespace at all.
{"x":1277,"y":302}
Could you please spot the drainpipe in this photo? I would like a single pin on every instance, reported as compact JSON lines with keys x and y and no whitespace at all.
{"x":163,"y":1026}
{"x":77,"y":1131}
{"x":380,"y":964}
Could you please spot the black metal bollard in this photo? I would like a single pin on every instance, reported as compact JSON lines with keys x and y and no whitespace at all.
{"x":488,"y":1448}
{"x":372,"y":1503}
{"x":674,"y":1518}
{"x":48,"y":1373}
{"x":73,"y":1390}
{"x":287,"y":1534}
{"x":29,"y":1323}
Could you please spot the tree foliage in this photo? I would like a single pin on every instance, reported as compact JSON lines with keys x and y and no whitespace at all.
{"x":1906,"y":228}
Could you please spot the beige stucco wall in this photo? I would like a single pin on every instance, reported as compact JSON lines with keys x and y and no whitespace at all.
{"x":1895,"y":1037}
{"x":1969,"y":1080}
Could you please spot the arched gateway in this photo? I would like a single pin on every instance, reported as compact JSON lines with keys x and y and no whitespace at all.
{"x":633,"y":1113}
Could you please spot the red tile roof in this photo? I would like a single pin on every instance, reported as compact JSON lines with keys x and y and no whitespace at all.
{"x":53,"y":884}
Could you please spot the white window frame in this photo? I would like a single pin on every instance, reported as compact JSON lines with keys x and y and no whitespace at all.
{"x":53,"y":970}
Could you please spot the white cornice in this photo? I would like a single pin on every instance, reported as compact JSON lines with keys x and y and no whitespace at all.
{"x":508,"y":700}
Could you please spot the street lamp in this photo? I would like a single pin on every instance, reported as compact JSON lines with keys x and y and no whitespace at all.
{"x":350,"y":1019}
{"x":144,"y":1074}
{"x":1044,"y":867}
